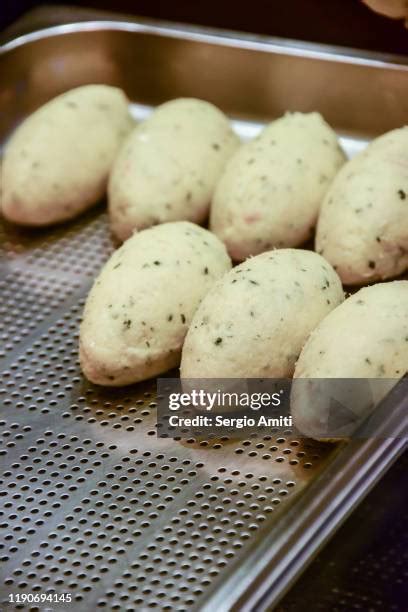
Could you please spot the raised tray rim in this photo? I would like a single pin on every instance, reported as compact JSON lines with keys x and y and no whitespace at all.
{"x":232,"y":38}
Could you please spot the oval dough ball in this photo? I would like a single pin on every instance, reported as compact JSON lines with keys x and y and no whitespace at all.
{"x":57,"y":162}
{"x":140,"y":307}
{"x":168,"y":168}
{"x":255,"y":320}
{"x":365,"y":337}
{"x":363,"y":223}
{"x":272,"y":188}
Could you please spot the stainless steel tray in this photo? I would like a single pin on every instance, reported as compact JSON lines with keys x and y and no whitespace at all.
{"x":93,"y":503}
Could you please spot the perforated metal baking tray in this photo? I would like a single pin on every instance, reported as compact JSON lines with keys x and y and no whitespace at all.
{"x":92,"y":502}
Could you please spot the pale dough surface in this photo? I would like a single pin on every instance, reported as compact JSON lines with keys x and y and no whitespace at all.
{"x":57,"y":162}
{"x":168,"y":168}
{"x":366,"y":337}
{"x":139,"y":309}
{"x":363,"y":223}
{"x":271,"y":190}
{"x":255,"y":320}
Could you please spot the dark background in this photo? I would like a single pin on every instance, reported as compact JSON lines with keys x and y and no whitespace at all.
{"x":365,"y":566}
{"x":340,"y":22}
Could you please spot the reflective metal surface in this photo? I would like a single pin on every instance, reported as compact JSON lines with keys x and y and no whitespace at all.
{"x":247,"y":76}
{"x":92,"y":502}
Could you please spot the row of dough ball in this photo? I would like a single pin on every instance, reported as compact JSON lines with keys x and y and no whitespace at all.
{"x":276,"y":188}
{"x":176,"y":279}
{"x":65,"y":156}
{"x":267,"y":193}
{"x":169,"y":292}
{"x":169,"y":295}
{"x":263,"y":194}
